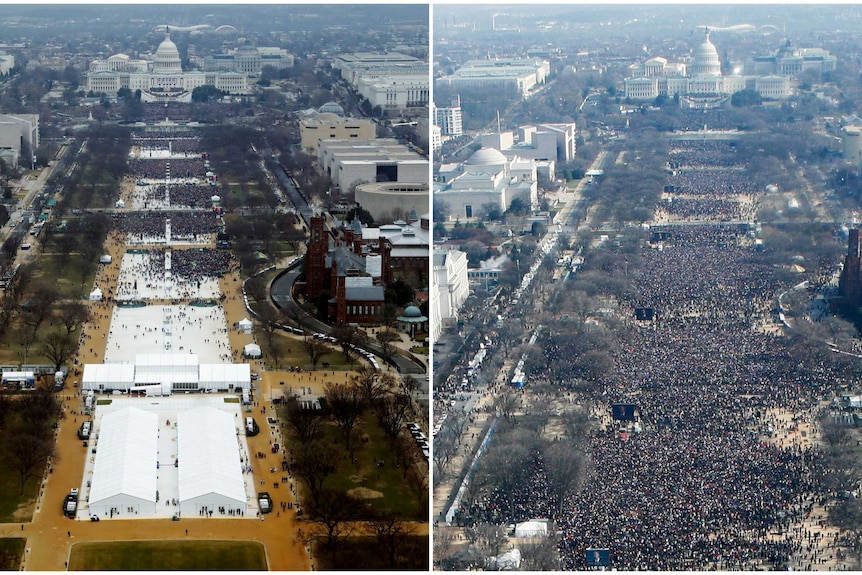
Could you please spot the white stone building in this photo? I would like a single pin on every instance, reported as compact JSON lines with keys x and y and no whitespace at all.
{"x":159,"y":79}
{"x":521,"y":75}
{"x":349,"y":162}
{"x":699,"y":82}
{"x":19,"y":132}
{"x":450,"y":288}
{"x":486,"y":178}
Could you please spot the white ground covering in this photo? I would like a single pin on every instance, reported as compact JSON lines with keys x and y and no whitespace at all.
{"x":167,"y":410}
{"x":141,"y":278}
{"x":198,"y":330}
{"x":139,"y":199}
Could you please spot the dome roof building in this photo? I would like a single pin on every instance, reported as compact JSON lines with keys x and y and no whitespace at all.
{"x":706,"y":60}
{"x":160,"y":79}
{"x":487,"y":157}
{"x":167,"y":57}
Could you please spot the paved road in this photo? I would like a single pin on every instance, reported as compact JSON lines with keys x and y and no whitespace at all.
{"x":280,"y":291}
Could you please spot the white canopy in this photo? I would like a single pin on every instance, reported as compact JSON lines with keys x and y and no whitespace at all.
{"x":225,"y":376}
{"x":210,"y":474}
{"x":245,"y":325}
{"x":105,"y":259}
{"x":124,"y":473}
{"x":532,"y":528}
{"x":104,"y":376}
{"x":215,"y":198}
{"x":251,"y":350}
{"x":96,"y":295}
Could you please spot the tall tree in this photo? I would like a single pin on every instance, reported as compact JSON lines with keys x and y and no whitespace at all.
{"x":59,"y":348}
{"x":345,"y":403}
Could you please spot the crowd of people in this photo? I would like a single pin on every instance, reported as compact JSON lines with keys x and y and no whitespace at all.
{"x":185,"y":194}
{"x":145,"y":227}
{"x":174,"y":168}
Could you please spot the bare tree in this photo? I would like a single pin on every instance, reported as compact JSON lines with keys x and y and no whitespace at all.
{"x":315,"y":348}
{"x":392,"y":412}
{"x":337,"y":512}
{"x":26,"y":337}
{"x":566,"y":469}
{"x":313,"y":462}
{"x":73,"y":314}
{"x":59,"y":348}
{"x":268,"y":317}
{"x":345,"y":403}
{"x":28,"y":453}
{"x":369,"y":383}
{"x":540,"y":553}
{"x":347,"y":337}
{"x":392,"y":537}
{"x":306,"y":424}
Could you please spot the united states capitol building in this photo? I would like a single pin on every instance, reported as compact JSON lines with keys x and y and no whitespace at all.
{"x":699,"y":83}
{"x":161,"y":79}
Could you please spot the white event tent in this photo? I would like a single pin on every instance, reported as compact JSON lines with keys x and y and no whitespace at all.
{"x":124,"y":472}
{"x":210,"y":473}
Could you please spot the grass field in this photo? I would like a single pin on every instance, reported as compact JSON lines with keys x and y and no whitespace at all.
{"x":168,"y":556}
{"x":11,"y":553}
{"x":398,"y":498}
{"x":411,"y":554}
{"x":14,"y":507}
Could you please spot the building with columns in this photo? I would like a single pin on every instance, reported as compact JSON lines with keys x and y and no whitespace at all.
{"x":699,"y":83}
{"x":160,"y":79}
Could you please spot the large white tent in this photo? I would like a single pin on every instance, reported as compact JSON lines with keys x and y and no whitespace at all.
{"x":210,"y":473}
{"x":124,"y":473}
{"x":174,"y":372}
{"x":251,"y":350}
{"x":224,"y":376}
{"x":532,"y":528}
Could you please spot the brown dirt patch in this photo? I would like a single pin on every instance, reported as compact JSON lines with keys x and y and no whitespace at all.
{"x":364,"y":493}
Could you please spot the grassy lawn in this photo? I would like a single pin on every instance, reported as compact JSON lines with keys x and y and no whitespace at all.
{"x":365,"y":551}
{"x":168,"y":556}
{"x":387,"y":480}
{"x":15,"y":508}
{"x":11,"y":553}
{"x":293,"y":353}
{"x":68,"y":281}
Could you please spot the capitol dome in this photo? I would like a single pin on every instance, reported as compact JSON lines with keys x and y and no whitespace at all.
{"x":486,"y":157}
{"x":167,"y":57}
{"x":706,"y":60}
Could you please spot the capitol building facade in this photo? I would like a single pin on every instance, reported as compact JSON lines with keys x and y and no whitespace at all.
{"x":699,"y":83}
{"x":159,"y":80}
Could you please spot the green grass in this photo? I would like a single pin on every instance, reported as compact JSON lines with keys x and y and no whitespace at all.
{"x":11,"y":553}
{"x":168,"y":556}
{"x":68,"y":281}
{"x":365,"y":551}
{"x":389,"y":480}
{"x":10,"y":486}
{"x":231,"y":400}
{"x":104,"y":401}
{"x":293,"y":353}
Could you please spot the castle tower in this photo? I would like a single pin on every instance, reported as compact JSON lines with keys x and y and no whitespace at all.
{"x":318,"y":245}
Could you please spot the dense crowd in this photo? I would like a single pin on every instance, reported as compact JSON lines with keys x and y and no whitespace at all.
{"x":181,"y":194}
{"x":709,"y":153}
{"x":698,"y":486}
{"x":175,"y":168}
{"x":707,"y":209}
{"x":144,"y":226}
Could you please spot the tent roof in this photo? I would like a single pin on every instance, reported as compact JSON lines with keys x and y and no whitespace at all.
{"x":96,"y":373}
{"x":127,"y":455}
{"x":208,"y":455}
{"x":224,"y":372}
{"x":245,"y":321}
{"x":251,"y":348}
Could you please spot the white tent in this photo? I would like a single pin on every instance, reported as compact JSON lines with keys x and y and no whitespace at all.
{"x":224,"y":376}
{"x":245,"y":325}
{"x":124,"y":473}
{"x":108,"y":376}
{"x":96,"y":295}
{"x":251,"y":351}
{"x":215,"y":199}
{"x":210,"y":474}
{"x":105,"y":259}
{"x":532,"y":528}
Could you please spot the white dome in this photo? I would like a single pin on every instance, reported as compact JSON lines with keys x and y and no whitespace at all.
{"x":706,"y":60}
{"x":487,"y":157}
{"x":167,"y":57}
